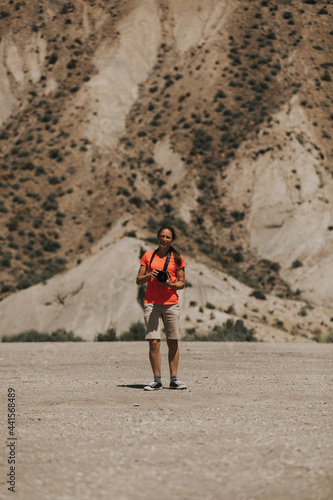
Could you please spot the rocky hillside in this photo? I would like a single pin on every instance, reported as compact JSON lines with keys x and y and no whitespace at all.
{"x":215,"y":117}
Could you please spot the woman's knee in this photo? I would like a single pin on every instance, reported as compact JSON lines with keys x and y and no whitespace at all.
{"x":154,"y":345}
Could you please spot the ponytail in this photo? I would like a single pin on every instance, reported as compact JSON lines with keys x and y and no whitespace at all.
{"x":177,"y":257}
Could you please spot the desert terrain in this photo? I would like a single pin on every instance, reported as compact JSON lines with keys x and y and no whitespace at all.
{"x":215,"y":117}
{"x":254,"y":424}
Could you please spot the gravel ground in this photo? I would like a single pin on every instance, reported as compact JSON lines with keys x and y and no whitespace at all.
{"x":255,"y":422}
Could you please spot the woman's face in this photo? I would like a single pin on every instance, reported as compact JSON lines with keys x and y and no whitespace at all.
{"x":165,"y":239}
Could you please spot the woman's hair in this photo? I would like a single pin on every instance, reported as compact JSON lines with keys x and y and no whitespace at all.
{"x":176,"y":254}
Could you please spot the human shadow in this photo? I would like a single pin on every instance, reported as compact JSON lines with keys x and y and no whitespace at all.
{"x":132,"y":386}
{"x":142,"y":386}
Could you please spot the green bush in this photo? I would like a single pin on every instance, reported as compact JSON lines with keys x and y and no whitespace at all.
{"x":71,"y":64}
{"x":3,"y":209}
{"x":190,"y":332}
{"x":5,"y":262}
{"x":202,"y":141}
{"x":60,"y":335}
{"x":50,"y":203}
{"x":230,"y":331}
{"x":54,"y":153}
{"x":51,"y":246}
{"x":54,"y":179}
{"x":274,"y":266}
{"x":109,"y":336}
{"x":53,"y":58}
{"x":123,"y":191}
{"x":13,"y":224}
{"x":326,"y":337}
{"x":296,"y":263}
{"x":238,"y":216}
{"x":7,"y":288}
{"x":258,"y":295}
{"x":39,"y":170}
{"x":67,"y":8}
{"x":130,"y":234}
{"x":137,"y":331}
{"x":326,"y":77}
{"x":136,"y":200}
{"x":220,"y":95}
{"x":302,"y":312}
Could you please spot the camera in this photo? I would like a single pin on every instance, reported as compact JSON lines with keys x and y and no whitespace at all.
{"x":162,"y":276}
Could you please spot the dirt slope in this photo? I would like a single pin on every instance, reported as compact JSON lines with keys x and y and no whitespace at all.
{"x":216,"y":118}
{"x":101,"y":293}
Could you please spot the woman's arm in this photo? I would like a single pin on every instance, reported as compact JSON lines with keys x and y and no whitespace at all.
{"x":142,"y":278}
{"x":179,"y":284}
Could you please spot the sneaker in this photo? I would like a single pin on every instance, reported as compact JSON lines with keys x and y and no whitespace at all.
{"x":177,"y":384}
{"x":153,"y":386}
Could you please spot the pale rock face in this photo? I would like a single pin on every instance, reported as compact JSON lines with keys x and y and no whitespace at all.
{"x":10,"y":66}
{"x":34,"y":57}
{"x":121,"y":66}
{"x":288,"y":193}
{"x":203,"y":24}
{"x":88,"y":299}
{"x":178,"y":173}
{"x":101,"y":293}
{"x":170,"y":161}
{"x":19,"y":63}
{"x":14,"y":62}
{"x":7,"y":100}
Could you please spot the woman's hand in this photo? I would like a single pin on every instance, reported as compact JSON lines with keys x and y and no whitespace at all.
{"x":143,"y":277}
{"x":153,"y":273}
{"x":179,"y":284}
{"x":167,"y":284}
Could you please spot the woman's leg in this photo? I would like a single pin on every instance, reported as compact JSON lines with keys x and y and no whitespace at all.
{"x":155,"y":356}
{"x":173,"y":356}
{"x":173,"y":364}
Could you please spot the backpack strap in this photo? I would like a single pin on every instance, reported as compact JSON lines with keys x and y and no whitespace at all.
{"x":166,"y":261}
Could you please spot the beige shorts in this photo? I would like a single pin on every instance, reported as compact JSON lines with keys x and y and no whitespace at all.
{"x":155,"y":314}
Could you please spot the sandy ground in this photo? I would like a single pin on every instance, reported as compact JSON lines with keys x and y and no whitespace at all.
{"x":255,"y":422}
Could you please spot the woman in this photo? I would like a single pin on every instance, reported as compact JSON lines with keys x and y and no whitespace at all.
{"x":161,"y":304}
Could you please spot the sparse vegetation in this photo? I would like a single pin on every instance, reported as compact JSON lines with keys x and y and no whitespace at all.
{"x":258,"y":295}
{"x":60,"y":335}
{"x":324,"y":337}
{"x":205,"y":126}
{"x":230,"y":331}
{"x":109,"y":336}
{"x":136,"y":331}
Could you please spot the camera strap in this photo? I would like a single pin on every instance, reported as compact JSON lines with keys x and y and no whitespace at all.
{"x":166,"y":261}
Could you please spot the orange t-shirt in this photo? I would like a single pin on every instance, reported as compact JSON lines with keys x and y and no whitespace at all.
{"x":156,"y":293}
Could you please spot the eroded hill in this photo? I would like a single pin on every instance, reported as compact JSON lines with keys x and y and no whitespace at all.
{"x":116,"y":116}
